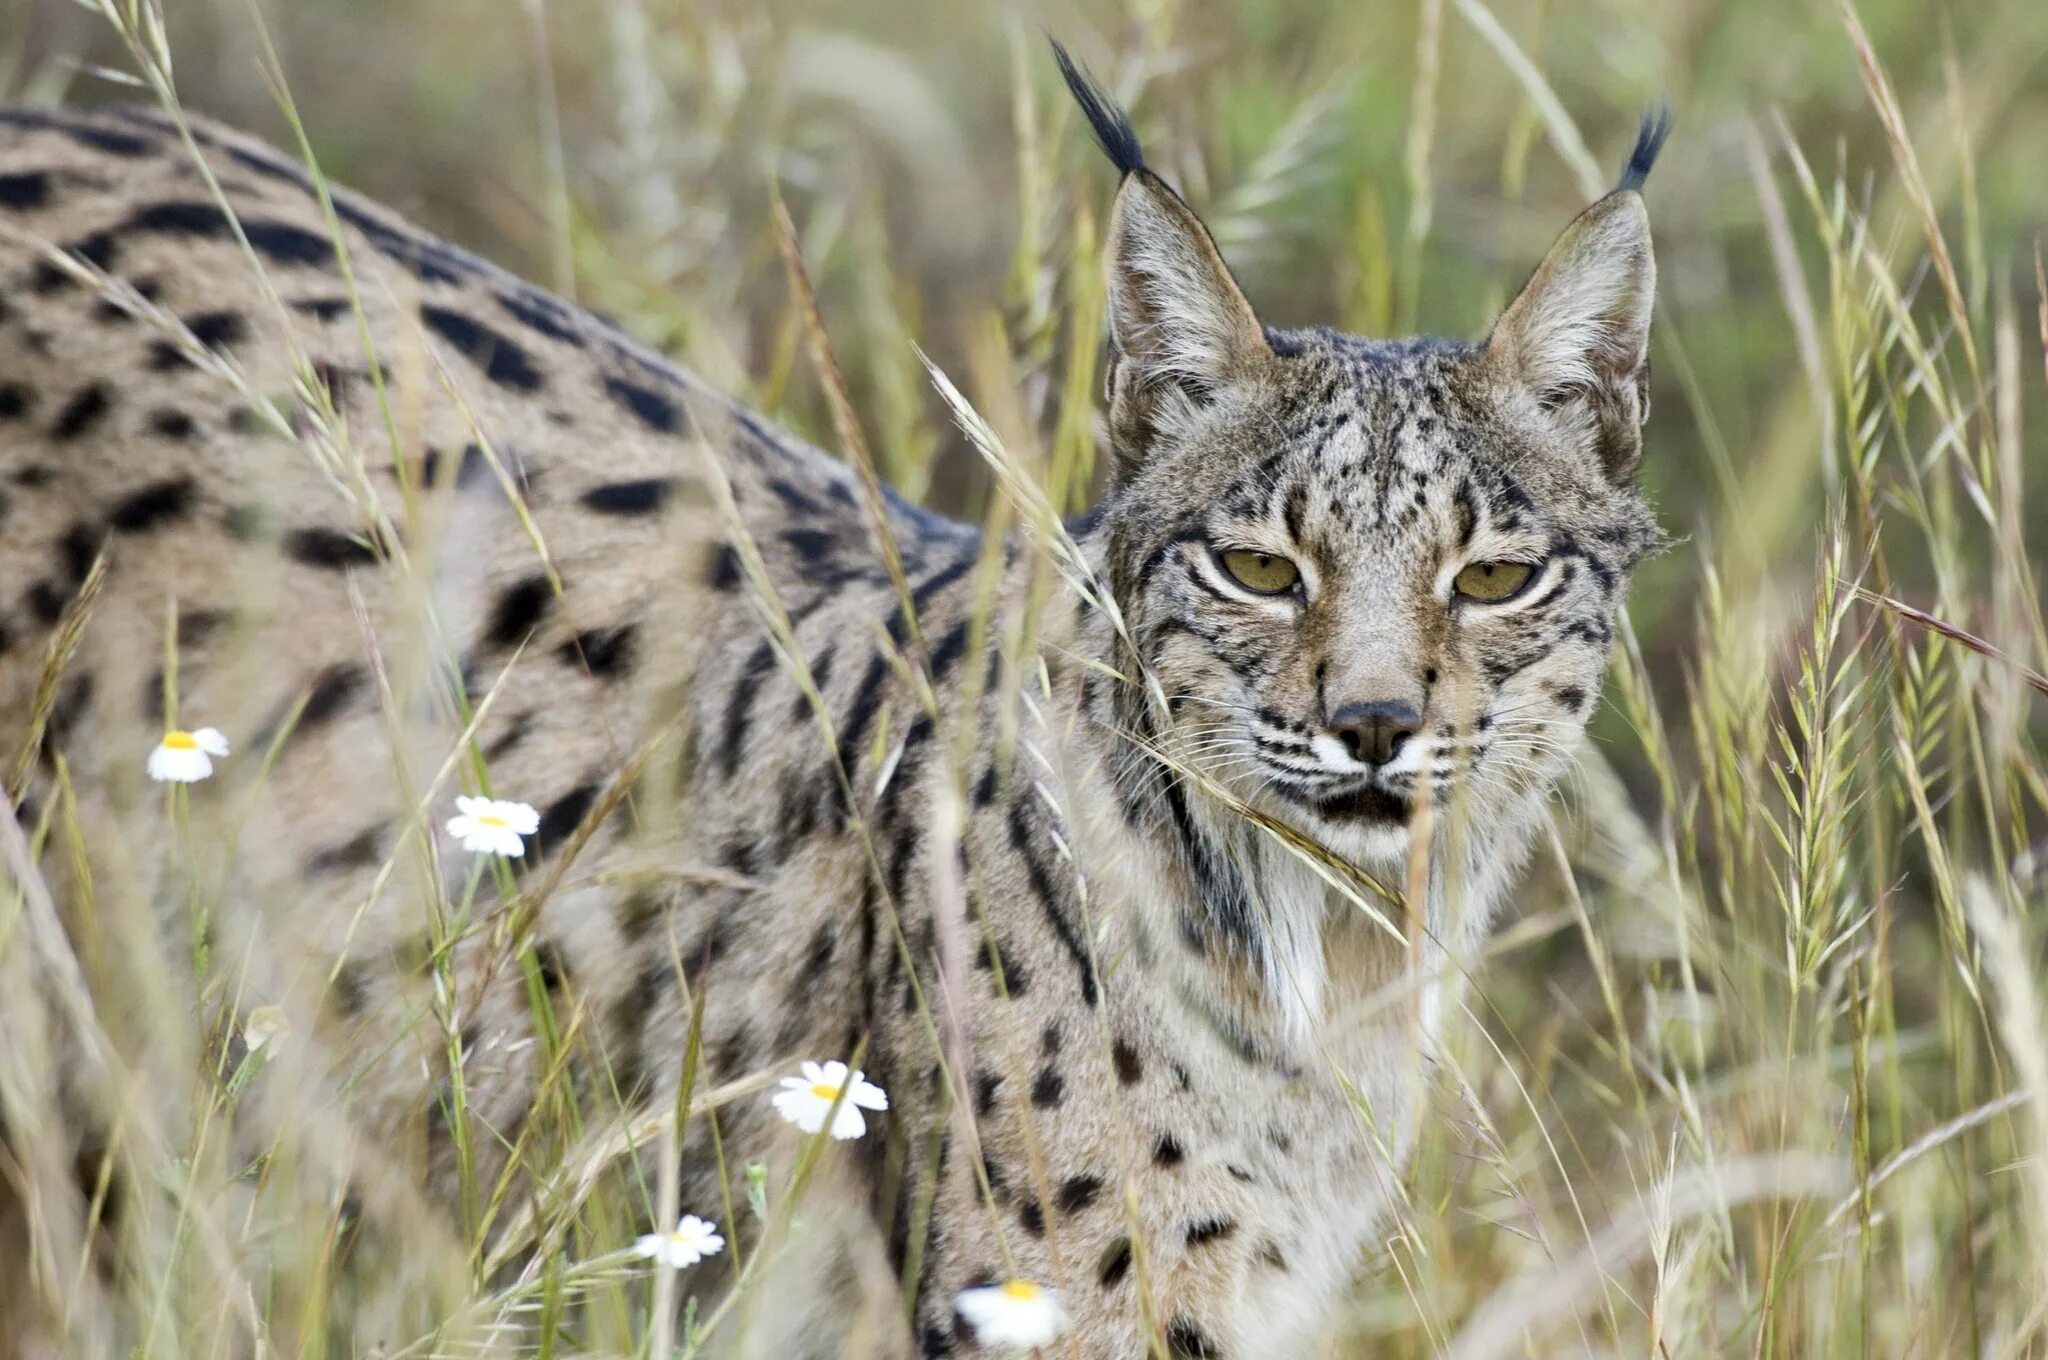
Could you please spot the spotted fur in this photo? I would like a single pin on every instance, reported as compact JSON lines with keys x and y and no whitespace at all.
{"x":512,"y":532}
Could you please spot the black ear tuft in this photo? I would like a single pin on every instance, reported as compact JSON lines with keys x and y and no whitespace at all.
{"x":1650,"y":137}
{"x":1112,"y":125}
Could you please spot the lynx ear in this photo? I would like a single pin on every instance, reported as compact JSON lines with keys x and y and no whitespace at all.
{"x":1181,"y":331}
{"x":1578,"y":337}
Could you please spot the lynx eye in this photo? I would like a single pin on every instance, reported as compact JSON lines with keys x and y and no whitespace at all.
{"x":1492,"y":581}
{"x":1261,"y":572}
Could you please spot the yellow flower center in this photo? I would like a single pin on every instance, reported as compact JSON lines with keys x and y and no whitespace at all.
{"x":491,"y":819}
{"x":1022,"y":1291}
{"x":180,"y":741}
{"x":824,"y":1092}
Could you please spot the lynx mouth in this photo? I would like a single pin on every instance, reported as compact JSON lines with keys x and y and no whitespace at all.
{"x":1366,"y":803}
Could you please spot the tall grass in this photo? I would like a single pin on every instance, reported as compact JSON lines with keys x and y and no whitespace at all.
{"x":1757,"y":1065}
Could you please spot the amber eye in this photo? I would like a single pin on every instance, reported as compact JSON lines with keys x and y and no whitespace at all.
{"x":1490,"y":581}
{"x":1261,"y":572}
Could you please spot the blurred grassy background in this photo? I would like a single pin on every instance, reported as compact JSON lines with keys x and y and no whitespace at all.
{"x":1796,"y":809}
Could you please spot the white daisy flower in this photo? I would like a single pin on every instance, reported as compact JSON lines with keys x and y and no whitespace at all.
{"x":186,"y":757}
{"x":1019,"y":1314}
{"x":804,"y":1101}
{"x":491,"y":826}
{"x":264,"y":1024}
{"x":692,"y":1241}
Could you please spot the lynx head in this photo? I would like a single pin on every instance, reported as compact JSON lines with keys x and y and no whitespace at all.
{"x":1356,"y":565}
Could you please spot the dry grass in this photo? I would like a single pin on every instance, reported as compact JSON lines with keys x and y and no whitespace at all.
{"x":1757,"y":1067}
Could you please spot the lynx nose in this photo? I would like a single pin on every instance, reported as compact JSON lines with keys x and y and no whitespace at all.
{"x":1375,"y":732}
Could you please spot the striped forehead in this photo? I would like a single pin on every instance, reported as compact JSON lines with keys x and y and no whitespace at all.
{"x":1378,"y":451}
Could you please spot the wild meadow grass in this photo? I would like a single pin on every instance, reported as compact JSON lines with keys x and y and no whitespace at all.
{"x":1757,"y":1064}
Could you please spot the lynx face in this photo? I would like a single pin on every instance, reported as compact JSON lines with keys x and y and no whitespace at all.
{"x":1379,"y":567}
{"x":1357,"y":567}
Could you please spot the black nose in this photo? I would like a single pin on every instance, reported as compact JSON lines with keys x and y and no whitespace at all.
{"x":1375,"y":732}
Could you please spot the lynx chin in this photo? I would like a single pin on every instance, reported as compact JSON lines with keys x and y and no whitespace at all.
{"x":1134,"y":861}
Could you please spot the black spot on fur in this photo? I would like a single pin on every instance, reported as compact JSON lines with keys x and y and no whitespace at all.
{"x":359,"y":851}
{"x":113,"y":143}
{"x":501,"y":359}
{"x":1032,"y":1215}
{"x":49,"y":277}
{"x":1078,"y":1192}
{"x":77,"y":549}
{"x":547,"y":960}
{"x":637,"y":915}
{"x":152,"y":506}
{"x":795,"y":497}
{"x":45,"y":601}
{"x":1167,"y":1151}
{"x":948,"y":649}
{"x":537,"y":311}
{"x":429,"y":260}
{"x":1115,"y":1263}
{"x":1125,"y":1058}
{"x":330,"y":694}
{"x":562,"y":818}
{"x":1049,"y":1089}
{"x":165,"y":357}
{"x":15,"y":401}
{"x":280,"y":242}
{"x":283,"y":243}
{"x":328,"y":549}
{"x":1270,"y":1254}
{"x":350,"y":988}
{"x":25,"y":191}
{"x":473,"y":467}
{"x":97,"y":250}
{"x":1187,"y":1341}
{"x":1206,"y":1230}
{"x":986,"y":1084}
{"x":173,"y":424}
{"x":87,"y":407}
{"x":725,"y":568}
{"x":823,"y":945}
{"x":519,"y":611}
{"x":643,"y":497}
{"x":1046,"y":890}
{"x":860,"y":713}
{"x":72,"y":702}
{"x":520,"y":730}
{"x":1016,"y":981}
{"x":70,"y":125}
{"x":733,"y":1053}
{"x":655,"y":411}
{"x":1570,"y":697}
{"x":605,"y":652}
{"x":323,"y":308}
{"x":811,"y":545}
{"x":217,"y":330}
{"x":739,"y":708}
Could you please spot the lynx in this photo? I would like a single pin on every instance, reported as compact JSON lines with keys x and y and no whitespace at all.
{"x":1134,"y":858}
